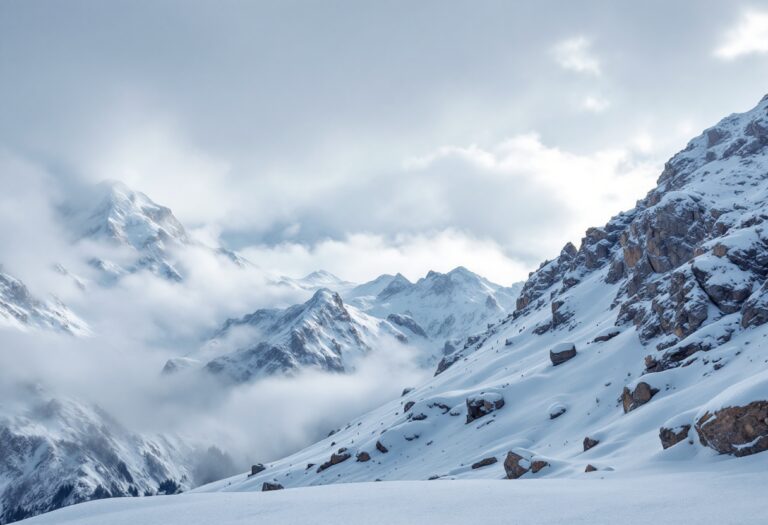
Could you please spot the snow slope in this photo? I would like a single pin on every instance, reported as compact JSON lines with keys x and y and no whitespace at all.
{"x":732,"y":497}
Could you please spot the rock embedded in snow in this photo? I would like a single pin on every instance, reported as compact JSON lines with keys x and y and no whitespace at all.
{"x":537,"y":465}
{"x":336,"y":458}
{"x":515,"y":465}
{"x":483,"y":405}
{"x":590,"y":468}
{"x":258,"y":467}
{"x":590,"y":443}
{"x":672,"y":436}
{"x":642,"y":393}
{"x":556,"y":410}
{"x":268,"y":486}
{"x":484,"y":462}
{"x":736,"y":430}
{"x":408,"y":406}
{"x":363,"y":456}
{"x":561,"y":353}
{"x":381,"y":448}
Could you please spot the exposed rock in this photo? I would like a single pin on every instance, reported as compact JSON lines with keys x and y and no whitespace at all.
{"x":547,"y":275}
{"x":419,"y":417}
{"x":336,"y":458}
{"x":672,"y":436}
{"x":557,"y":410}
{"x":267,"y":486}
{"x":537,"y":465}
{"x":631,"y":399}
{"x":381,"y":448}
{"x":408,"y":406}
{"x":562,"y":353}
{"x":484,"y":462}
{"x":515,"y":465}
{"x":606,"y":336}
{"x":258,"y":467}
{"x":406,"y":391}
{"x":590,"y":468}
{"x":363,"y":456}
{"x":482,"y":405}
{"x":737,"y":430}
{"x":754,"y":312}
{"x":590,"y":443}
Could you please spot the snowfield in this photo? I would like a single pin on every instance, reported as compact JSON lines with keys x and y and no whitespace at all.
{"x":725,"y":493}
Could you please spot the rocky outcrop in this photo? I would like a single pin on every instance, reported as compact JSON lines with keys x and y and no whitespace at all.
{"x":537,"y":465}
{"x":363,"y":456}
{"x":562,"y":353}
{"x":672,"y":436}
{"x":408,"y":405}
{"x":267,"y":486}
{"x":258,"y":467}
{"x":548,"y":274}
{"x":381,"y":448}
{"x":484,"y":462}
{"x":754,"y":312}
{"x":642,"y":393}
{"x":590,"y":468}
{"x":736,"y":430}
{"x":483,"y":405}
{"x":515,"y":465}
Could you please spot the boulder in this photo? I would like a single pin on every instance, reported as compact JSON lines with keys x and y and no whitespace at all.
{"x":606,"y":335}
{"x":631,"y":399}
{"x":672,"y":436}
{"x":337,"y":458}
{"x":515,"y":465}
{"x":590,"y":443}
{"x":406,"y":391}
{"x":258,"y":467}
{"x":419,"y":417}
{"x":267,"y":486}
{"x":556,"y":410}
{"x":482,"y":405}
{"x":590,"y":468}
{"x":381,"y":448}
{"x":408,"y":406}
{"x":537,"y":465}
{"x":562,"y":353}
{"x":736,"y":430}
{"x":363,"y":456}
{"x":484,"y":462}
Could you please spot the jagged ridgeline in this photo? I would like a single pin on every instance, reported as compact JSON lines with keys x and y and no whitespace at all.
{"x":648,"y":341}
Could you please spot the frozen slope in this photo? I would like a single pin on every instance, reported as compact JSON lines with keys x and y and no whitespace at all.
{"x":729,"y":499}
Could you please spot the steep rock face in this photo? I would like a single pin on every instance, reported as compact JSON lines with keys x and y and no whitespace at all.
{"x":19,"y":308}
{"x":60,"y":452}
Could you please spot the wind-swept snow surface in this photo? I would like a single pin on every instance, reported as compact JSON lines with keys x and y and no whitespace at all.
{"x":731,"y":497}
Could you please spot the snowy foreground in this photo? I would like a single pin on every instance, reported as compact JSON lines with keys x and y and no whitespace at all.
{"x":732,"y":493}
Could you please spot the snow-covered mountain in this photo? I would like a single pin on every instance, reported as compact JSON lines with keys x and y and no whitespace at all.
{"x":113,"y":212}
{"x":641,"y":351}
{"x":445,"y":307}
{"x":323,"y":333}
{"x":315,"y":281}
{"x":58,"y":451}
{"x":20,"y":309}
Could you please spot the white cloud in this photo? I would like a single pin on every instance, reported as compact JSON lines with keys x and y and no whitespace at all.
{"x":361,"y":257}
{"x":575,"y":54}
{"x":595,"y":104}
{"x":748,"y":36}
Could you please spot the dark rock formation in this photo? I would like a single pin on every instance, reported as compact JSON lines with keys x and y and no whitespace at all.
{"x":267,"y":486}
{"x":737,"y":430}
{"x":631,"y":399}
{"x":484,"y":462}
{"x":590,"y":468}
{"x":341,"y":455}
{"x":562,"y":353}
{"x":590,"y":443}
{"x":672,"y":436}
{"x":513,"y":467}
{"x":537,"y":465}
{"x":258,"y":467}
{"x":480,"y":406}
{"x":363,"y":456}
{"x":381,"y":448}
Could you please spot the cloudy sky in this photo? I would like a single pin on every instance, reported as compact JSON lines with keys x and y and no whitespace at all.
{"x":378,"y":136}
